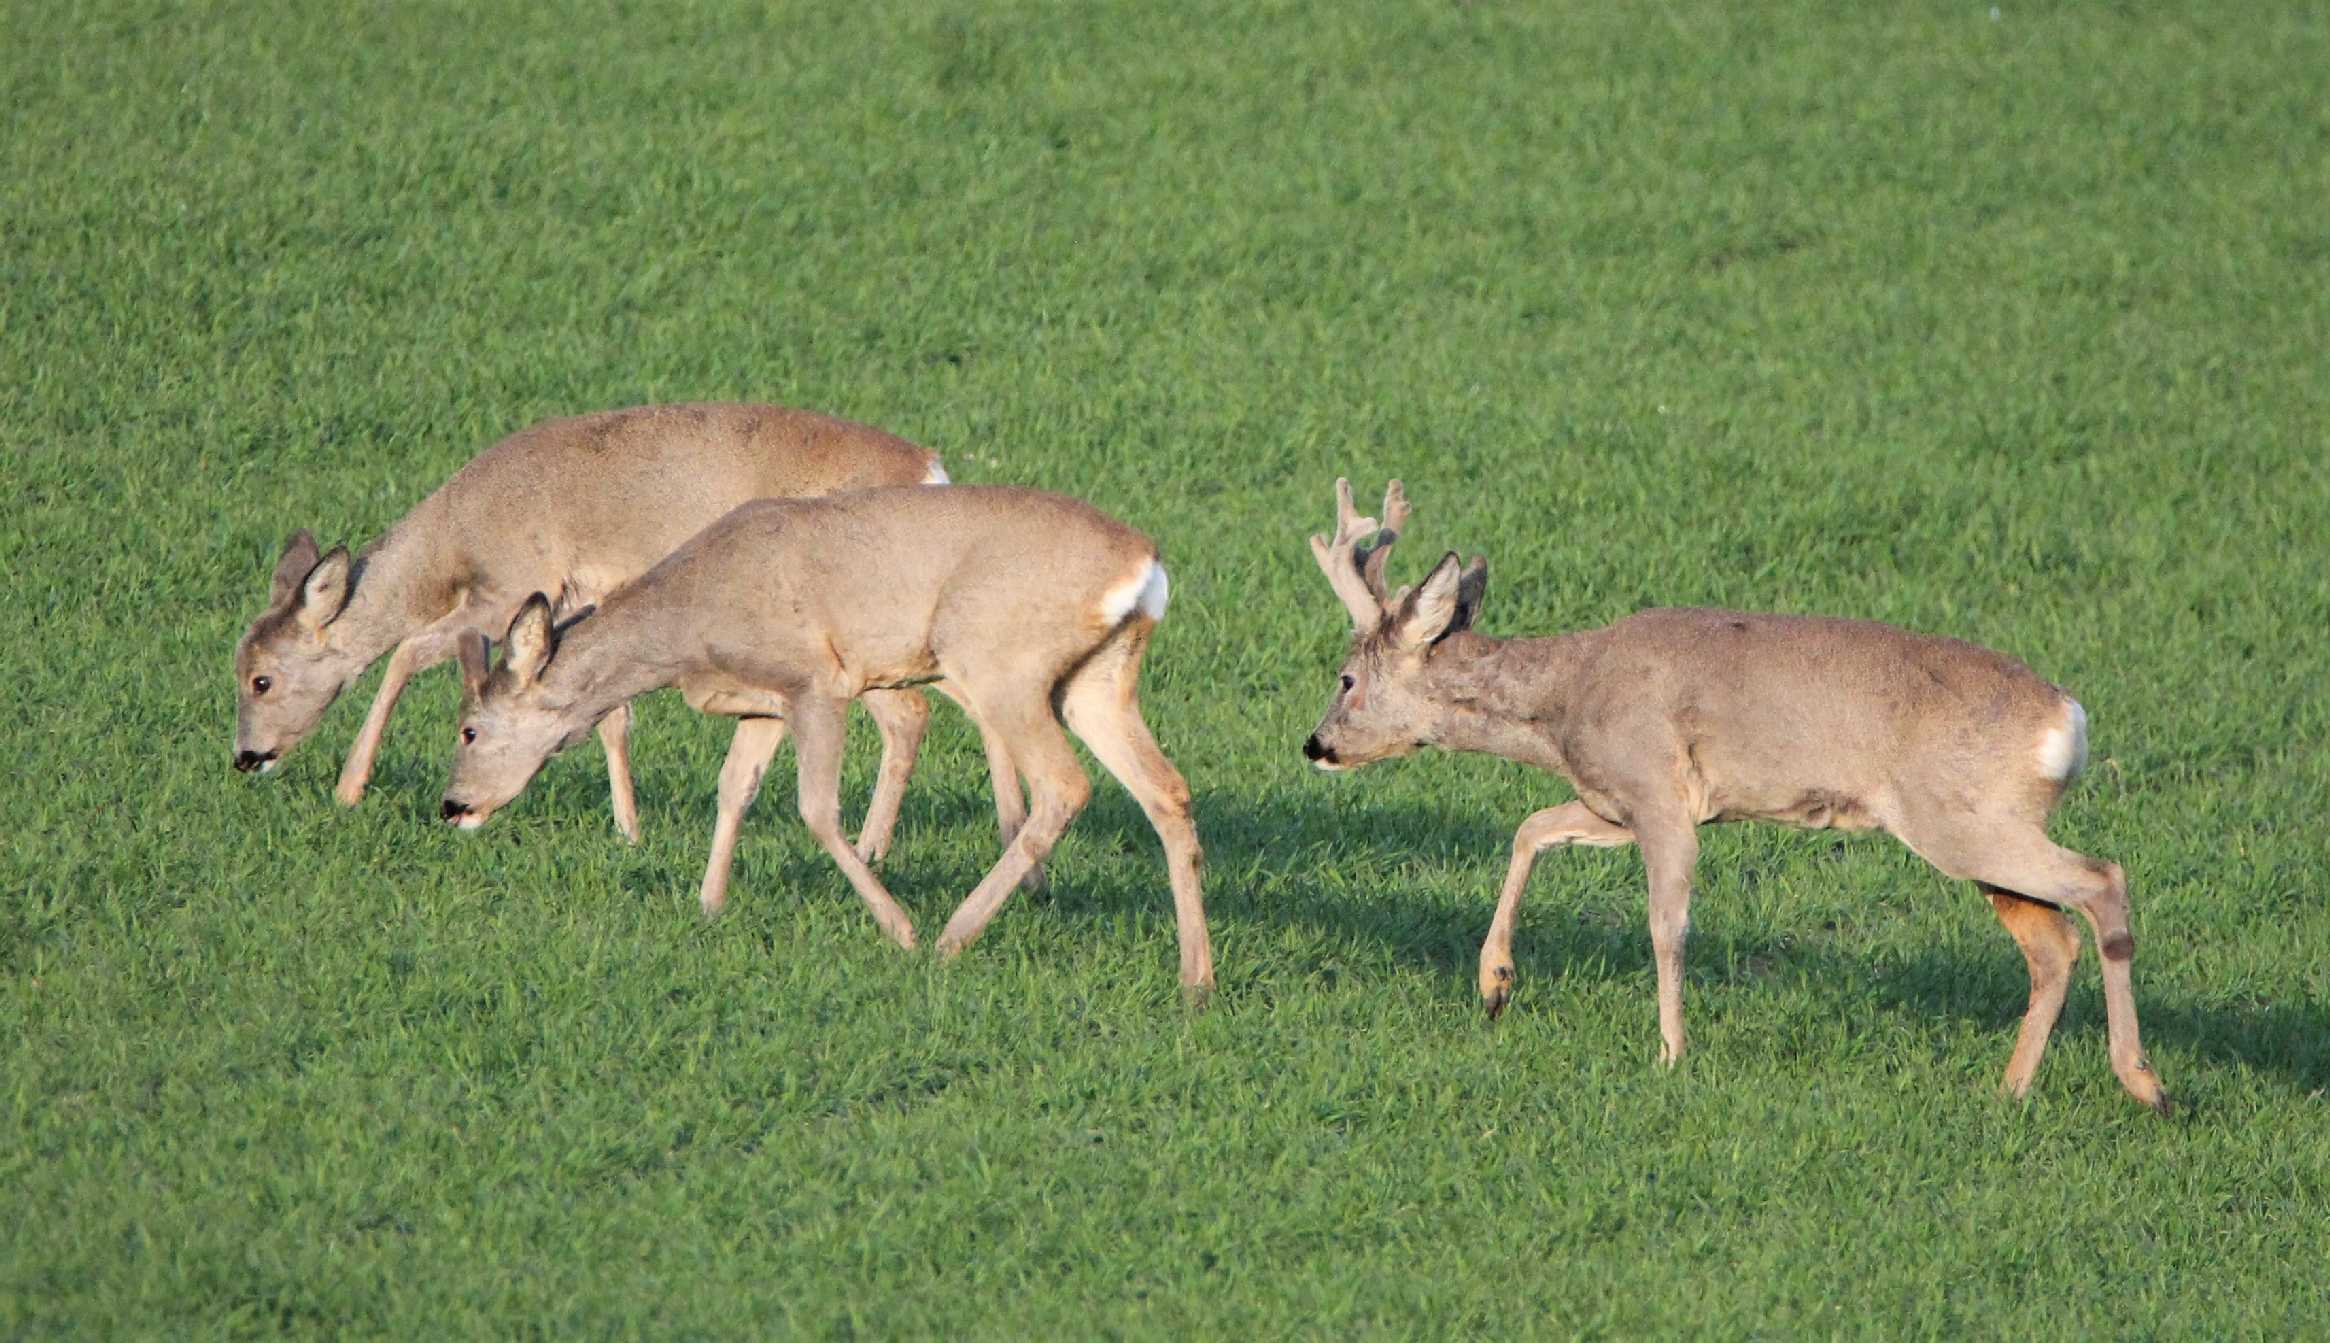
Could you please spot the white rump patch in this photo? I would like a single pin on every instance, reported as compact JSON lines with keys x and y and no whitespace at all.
{"x":1145,"y":590}
{"x":938,"y":474}
{"x":2063,"y":747}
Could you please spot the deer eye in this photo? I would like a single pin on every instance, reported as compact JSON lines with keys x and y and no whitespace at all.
{"x":260,"y":685}
{"x":468,"y":736}
{"x":1348,"y":683}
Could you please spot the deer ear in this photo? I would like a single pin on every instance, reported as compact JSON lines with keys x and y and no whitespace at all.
{"x":299,"y":557}
{"x":1470,"y":588}
{"x":475,"y":653}
{"x":532,"y":642}
{"x":1432,"y":612}
{"x":324,"y":591}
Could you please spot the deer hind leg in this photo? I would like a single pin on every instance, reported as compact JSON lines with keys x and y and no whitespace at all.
{"x":615,"y":738}
{"x":1570,"y":823}
{"x":1103,"y":708}
{"x":818,"y":729}
{"x":901,"y":716}
{"x":1003,"y":778}
{"x":2016,"y":855}
{"x":1010,"y":804}
{"x":2105,"y":903}
{"x":749,"y":753}
{"x":1670,"y":851}
{"x":1058,"y":788}
{"x":2051,"y":946}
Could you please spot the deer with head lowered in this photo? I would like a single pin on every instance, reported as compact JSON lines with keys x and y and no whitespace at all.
{"x":1032,"y":607}
{"x":572,"y":508}
{"x":1669,"y":719}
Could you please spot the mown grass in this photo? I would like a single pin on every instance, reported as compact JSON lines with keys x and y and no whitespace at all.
{"x":2001,"y":323}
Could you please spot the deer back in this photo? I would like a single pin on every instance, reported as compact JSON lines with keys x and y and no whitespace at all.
{"x":1808,"y":719}
{"x":592,"y":501}
{"x":892,"y":586}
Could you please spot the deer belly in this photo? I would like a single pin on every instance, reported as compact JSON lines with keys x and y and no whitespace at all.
{"x":891,"y":665}
{"x":731,"y":699}
{"x":1806,"y":809}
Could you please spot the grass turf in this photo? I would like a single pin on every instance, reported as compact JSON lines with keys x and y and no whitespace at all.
{"x":2004,"y":323}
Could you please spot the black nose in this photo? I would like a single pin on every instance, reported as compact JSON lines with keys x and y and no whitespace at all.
{"x":246,"y":761}
{"x":453,"y":810}
{"x":1311,"y":748}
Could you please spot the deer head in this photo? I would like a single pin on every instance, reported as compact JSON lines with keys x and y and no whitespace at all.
{"x":292,"y":662}
{"x":511,"y":721}
{"x":1385,"y":703}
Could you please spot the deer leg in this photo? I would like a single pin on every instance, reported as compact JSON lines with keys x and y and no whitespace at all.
{"x":1103,"y":708}
{"x":2016,"y":855}
{"x":1670,"y":850}
{"x":2103,"y":897}
{"x":416,"y":654}
{"x":615,"y":737}
{"x":818,"y":728}
{"x":2051,"y":947}
{"x":1059,"y":790}
{"x":1003,"y":778}
{"x":901,"y":716}
{"x":1570,"y":823}
{"x":1010,"y":804}
{"x":749,"y":753}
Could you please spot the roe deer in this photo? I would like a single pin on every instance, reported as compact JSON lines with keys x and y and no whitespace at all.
{"x":1672,"y":718}
{"x":1031,"y":606}
{"x":572,"y":508}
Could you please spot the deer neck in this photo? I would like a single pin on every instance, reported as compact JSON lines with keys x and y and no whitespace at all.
{"x":612,"y":656}
{"x":396,"y":586}
{"x":1505,"y":697}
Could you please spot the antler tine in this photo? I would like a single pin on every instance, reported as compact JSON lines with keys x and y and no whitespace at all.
{"x":1349,"y":526}
{"x":1395,"y":520}
{"x":1340,"y":559}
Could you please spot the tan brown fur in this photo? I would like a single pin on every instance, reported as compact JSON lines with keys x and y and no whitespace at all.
{"x":1670,"y":719}
{"x":570,"y":507}
{"x":1003,"y":594}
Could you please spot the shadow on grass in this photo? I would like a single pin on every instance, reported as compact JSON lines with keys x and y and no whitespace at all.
{"x":2285,"y":1039}
{"x":1284,"y":827}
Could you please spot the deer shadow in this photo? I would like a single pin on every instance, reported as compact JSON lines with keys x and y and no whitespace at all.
{"x":1282,"y":824}
{"x":2289,"y":1040}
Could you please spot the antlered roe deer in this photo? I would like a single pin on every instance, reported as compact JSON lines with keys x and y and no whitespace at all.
{"x":569,"y":507}
{"x":1669,"y":719}
{"x":1032,"y":607}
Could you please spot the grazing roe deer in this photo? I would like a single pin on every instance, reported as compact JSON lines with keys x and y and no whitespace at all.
{"x":1669,"y":719}
{"x":569,"y":507}
{"x":1031,"y":606}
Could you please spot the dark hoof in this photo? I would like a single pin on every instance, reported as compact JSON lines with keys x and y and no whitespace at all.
{"x":1496,"y":1003}
{"x":1197,"y":997}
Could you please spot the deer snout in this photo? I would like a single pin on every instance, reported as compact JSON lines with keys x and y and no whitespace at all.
{"x":1316,"y":753}
{"x":467,"y":815}
{"x":246,"y":761}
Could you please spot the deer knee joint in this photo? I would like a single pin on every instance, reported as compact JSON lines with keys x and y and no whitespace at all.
{"x":2120,"y":946}
{"x":821,"y":815}
{"x":1066,"y":795}
{"x":1173,"y":798}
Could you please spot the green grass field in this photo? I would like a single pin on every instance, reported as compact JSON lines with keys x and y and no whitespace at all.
{"x":2008,"y":325}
